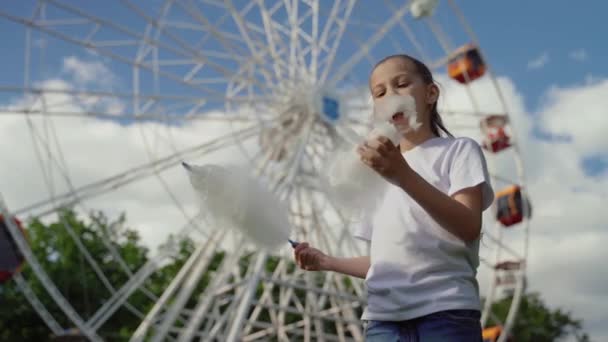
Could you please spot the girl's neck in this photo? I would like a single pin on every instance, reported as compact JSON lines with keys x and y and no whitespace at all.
{"x":415,"y":138}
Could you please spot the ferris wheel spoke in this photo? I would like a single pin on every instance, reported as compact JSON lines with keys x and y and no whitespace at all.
{"x":121,"y":296}
{"x":292,"y":7}
{"x":409,"y":33}
{"x":257,"y":61}
{"x":271,"y":34}
{"x":30,"y":295}
{"x":88,"y":96}
{"x":341,"y":22}
{"x":503,"y":179}
{"x":96,"y":93}
{"x":473,"y":37}
{"x":122,"y":179}
{"x":499,"y":242}
{"x":107,"y":53}
{"x":349,"y":64}
{"x":205,"y":299}
{"x":194,"y":84}
{"x":315,"y":48}
{"x":144,"y":326}
{"x":251,"y":45}
{"x":199,"y":60}
{"x":447,"y":47}
{"x":360,"y":44}
{"x":171,"y":118}
{"x":439,"y":63}
{"x":227,"y":40}
{"x":185,"y":51}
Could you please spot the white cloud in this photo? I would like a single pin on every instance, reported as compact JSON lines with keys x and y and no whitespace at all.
{"x":579,"y":112}
{"x":539,"y":61}
{"x":579,"y":55}
{"x":85,"y":72}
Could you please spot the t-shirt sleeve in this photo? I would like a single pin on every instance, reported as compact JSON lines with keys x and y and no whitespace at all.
{"x":468,"y":169}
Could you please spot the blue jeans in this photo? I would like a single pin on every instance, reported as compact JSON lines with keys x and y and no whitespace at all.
{"x":444,"y":326}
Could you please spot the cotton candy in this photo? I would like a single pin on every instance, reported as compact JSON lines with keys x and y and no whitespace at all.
{"x":232,"y":198}
{"x":387,"y":106}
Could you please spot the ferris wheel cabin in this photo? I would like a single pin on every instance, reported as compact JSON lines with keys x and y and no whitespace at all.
{"x":511,"y":206}
{"x":494,"y":129}
{"x":465,"y":64}
{"x":11,"y":259}
{"x":491,"y":334}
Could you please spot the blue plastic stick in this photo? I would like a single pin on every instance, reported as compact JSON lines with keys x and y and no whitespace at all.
{"x":293,"y":243}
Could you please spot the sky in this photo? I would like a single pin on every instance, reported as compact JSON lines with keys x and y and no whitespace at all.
{"x":546,"y":56}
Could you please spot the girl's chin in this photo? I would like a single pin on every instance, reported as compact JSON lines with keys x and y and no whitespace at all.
{"x":402,"y":128}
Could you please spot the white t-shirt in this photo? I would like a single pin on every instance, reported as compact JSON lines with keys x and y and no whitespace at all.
{"x":418,"y":267}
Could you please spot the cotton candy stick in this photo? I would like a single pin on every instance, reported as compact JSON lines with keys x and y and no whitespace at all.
{"x":232,"y":198}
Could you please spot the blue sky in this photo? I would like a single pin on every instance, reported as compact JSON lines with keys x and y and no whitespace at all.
{"x":512,"y":34}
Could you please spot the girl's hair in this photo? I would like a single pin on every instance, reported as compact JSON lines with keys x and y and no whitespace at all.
{"x":427,"y":77}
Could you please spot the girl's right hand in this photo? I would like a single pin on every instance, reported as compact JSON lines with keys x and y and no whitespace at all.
{"x":309,"y":258}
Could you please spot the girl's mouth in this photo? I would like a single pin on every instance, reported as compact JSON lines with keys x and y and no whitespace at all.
{"x":397,"y":117}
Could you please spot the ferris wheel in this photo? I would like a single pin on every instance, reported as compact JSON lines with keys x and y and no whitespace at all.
{"x":280,"y":84}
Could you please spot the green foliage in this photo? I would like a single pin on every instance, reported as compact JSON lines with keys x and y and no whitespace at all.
{"x":537,"y":322}
{"x":63,"y":261}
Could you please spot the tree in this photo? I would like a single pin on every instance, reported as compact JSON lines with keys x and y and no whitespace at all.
{"x":67,"y":266}
{"x":537,"y":322}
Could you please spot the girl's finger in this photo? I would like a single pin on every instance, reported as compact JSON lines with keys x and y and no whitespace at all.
{"x":382,"y":150}
{"x":298,"y":250}
{"x":300,"y":247}
{"x":386,"y":142}
{"x":366,"y":153}
{"x":309,"y":258}
{"x":375,"y":157}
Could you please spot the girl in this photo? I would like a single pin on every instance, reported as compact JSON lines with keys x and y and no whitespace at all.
{"x":424,"y":237}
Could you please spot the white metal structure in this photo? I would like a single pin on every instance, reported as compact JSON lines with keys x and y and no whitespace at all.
{"x":289,"y":77}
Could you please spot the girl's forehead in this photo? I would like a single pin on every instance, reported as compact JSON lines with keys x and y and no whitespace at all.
{"x":390,"y":68}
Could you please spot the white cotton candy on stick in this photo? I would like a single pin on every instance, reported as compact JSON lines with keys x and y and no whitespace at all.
{"x":352,"y":185}
{"x":234,"y":199}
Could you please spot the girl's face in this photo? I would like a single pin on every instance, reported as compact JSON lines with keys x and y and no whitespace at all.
{"x":399,"y":76}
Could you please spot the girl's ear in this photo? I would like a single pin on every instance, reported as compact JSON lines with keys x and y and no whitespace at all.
{"x":432,"y":93}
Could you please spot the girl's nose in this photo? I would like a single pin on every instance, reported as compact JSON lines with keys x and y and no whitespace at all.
{"x":392,"y":91}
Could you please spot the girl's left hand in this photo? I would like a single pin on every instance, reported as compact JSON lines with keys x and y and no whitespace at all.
{"x":385,"y":158}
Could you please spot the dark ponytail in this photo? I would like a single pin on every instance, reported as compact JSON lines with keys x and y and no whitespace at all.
{"x":427,"y":77}
{"x":437,"y":123}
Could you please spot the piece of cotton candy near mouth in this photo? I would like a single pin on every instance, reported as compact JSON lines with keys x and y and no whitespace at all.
{"x":386,"y":107}
{"x":352,"y":185}
{"x":234,"y":199}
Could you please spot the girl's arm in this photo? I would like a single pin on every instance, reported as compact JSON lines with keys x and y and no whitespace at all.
{"x":356,"y":266}
{"x":312,"y":259}
{"x":459,"y":214}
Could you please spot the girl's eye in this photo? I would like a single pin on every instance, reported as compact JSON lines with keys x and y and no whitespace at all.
{"x":402,"y":85}
{"x":379,"y":94}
